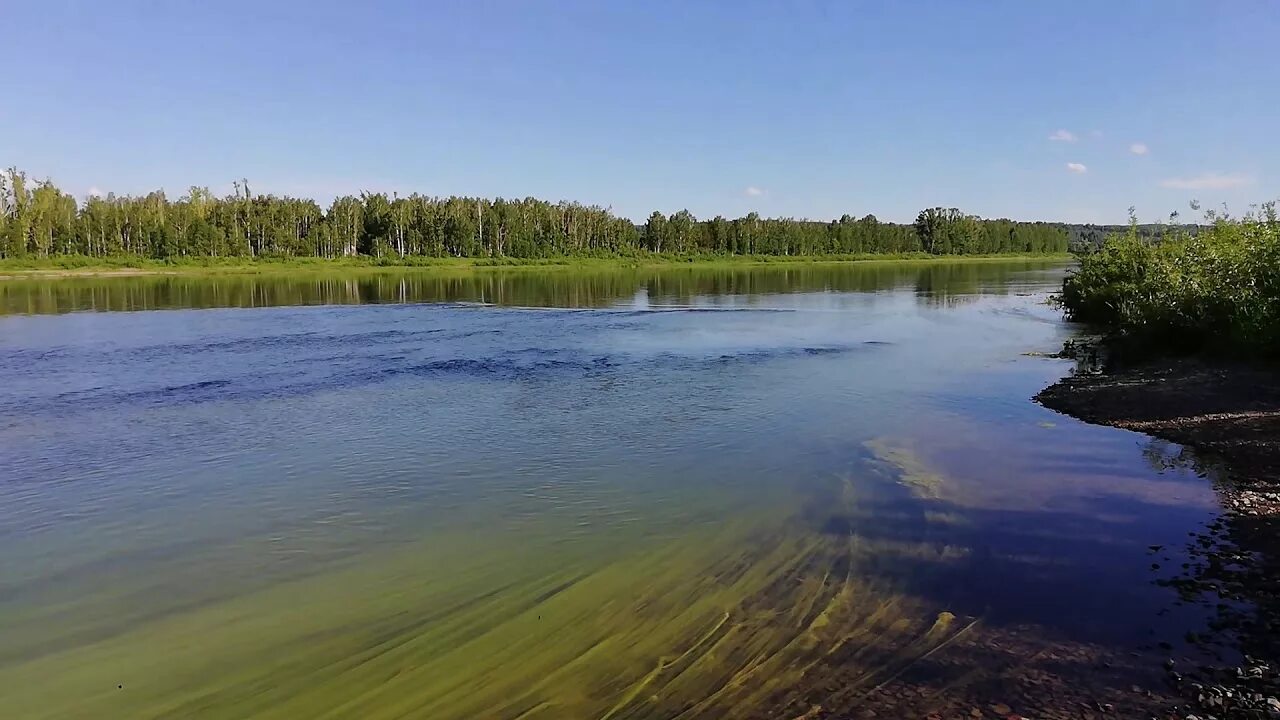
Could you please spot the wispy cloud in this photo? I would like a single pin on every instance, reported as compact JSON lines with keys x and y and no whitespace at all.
{"x":1077,"y":168}
{"x":1063,"y":136}
{"x":753,"y":191}
{"x":95,"y":192}
{"x":1139,"y":149}
{"x":1208,"y":181}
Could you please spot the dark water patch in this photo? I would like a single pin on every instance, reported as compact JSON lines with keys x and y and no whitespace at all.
{"x":178,"y":394}
{"x":48,"y":359}
{"x":765,"y":355}
{"x":299,"y":341}
{"x":27,"y":361}
{"x":496,"y":369}
{"x":1010,"y":567}
{"x":463,"y":335}
{"x":294,"y":372}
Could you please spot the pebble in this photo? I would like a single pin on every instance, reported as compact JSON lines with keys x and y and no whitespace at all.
{"x":1247,"y":692}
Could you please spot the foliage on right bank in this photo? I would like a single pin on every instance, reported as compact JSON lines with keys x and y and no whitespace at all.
{"x":1212,"y":287}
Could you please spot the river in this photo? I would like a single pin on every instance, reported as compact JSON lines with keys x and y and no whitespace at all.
{"x":727,"y":492}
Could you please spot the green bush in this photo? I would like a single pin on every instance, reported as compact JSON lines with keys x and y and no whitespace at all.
{"x":1214,"y":288}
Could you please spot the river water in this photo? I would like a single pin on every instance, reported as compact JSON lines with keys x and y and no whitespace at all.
{"x":740,"y":492}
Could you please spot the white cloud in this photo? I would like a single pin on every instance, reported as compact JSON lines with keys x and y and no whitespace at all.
{"x":1139,"y":149}
{"x":1063,"y":136}
{"x":95,"y":192}
{"x":753,"y":191}
{"x":1077,"y":168}
{"x":1208,"y":181}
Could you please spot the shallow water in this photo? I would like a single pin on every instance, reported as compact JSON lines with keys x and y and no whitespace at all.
{"x":548,"y":493}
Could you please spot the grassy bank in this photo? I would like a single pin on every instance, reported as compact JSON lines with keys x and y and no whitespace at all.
{"x":79,"y":265}
{"x":1215,"y":289}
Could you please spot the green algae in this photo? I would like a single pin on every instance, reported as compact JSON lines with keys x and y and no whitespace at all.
{"x":718,"y":621}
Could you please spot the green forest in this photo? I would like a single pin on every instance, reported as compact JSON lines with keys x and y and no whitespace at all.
{"x":39,"y":220}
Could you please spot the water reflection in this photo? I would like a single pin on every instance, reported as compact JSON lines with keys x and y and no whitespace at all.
{"x":937,"y":282}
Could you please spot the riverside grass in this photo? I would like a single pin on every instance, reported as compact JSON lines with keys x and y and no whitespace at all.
{"x":78,"y":265}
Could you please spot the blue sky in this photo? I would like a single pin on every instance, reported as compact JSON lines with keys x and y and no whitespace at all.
{"x":1033,"y":110}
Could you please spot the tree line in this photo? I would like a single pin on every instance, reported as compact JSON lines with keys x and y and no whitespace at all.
{"x":38,"y":220}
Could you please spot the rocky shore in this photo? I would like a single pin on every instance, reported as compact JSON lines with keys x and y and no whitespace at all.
{"x":1227,"y":415}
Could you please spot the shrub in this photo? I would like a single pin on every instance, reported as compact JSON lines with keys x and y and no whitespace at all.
{"x":1217,"y":288}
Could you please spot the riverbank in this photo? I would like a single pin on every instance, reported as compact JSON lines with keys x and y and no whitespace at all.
{"x":1228,"y":415}
{"x":75,"y":266}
